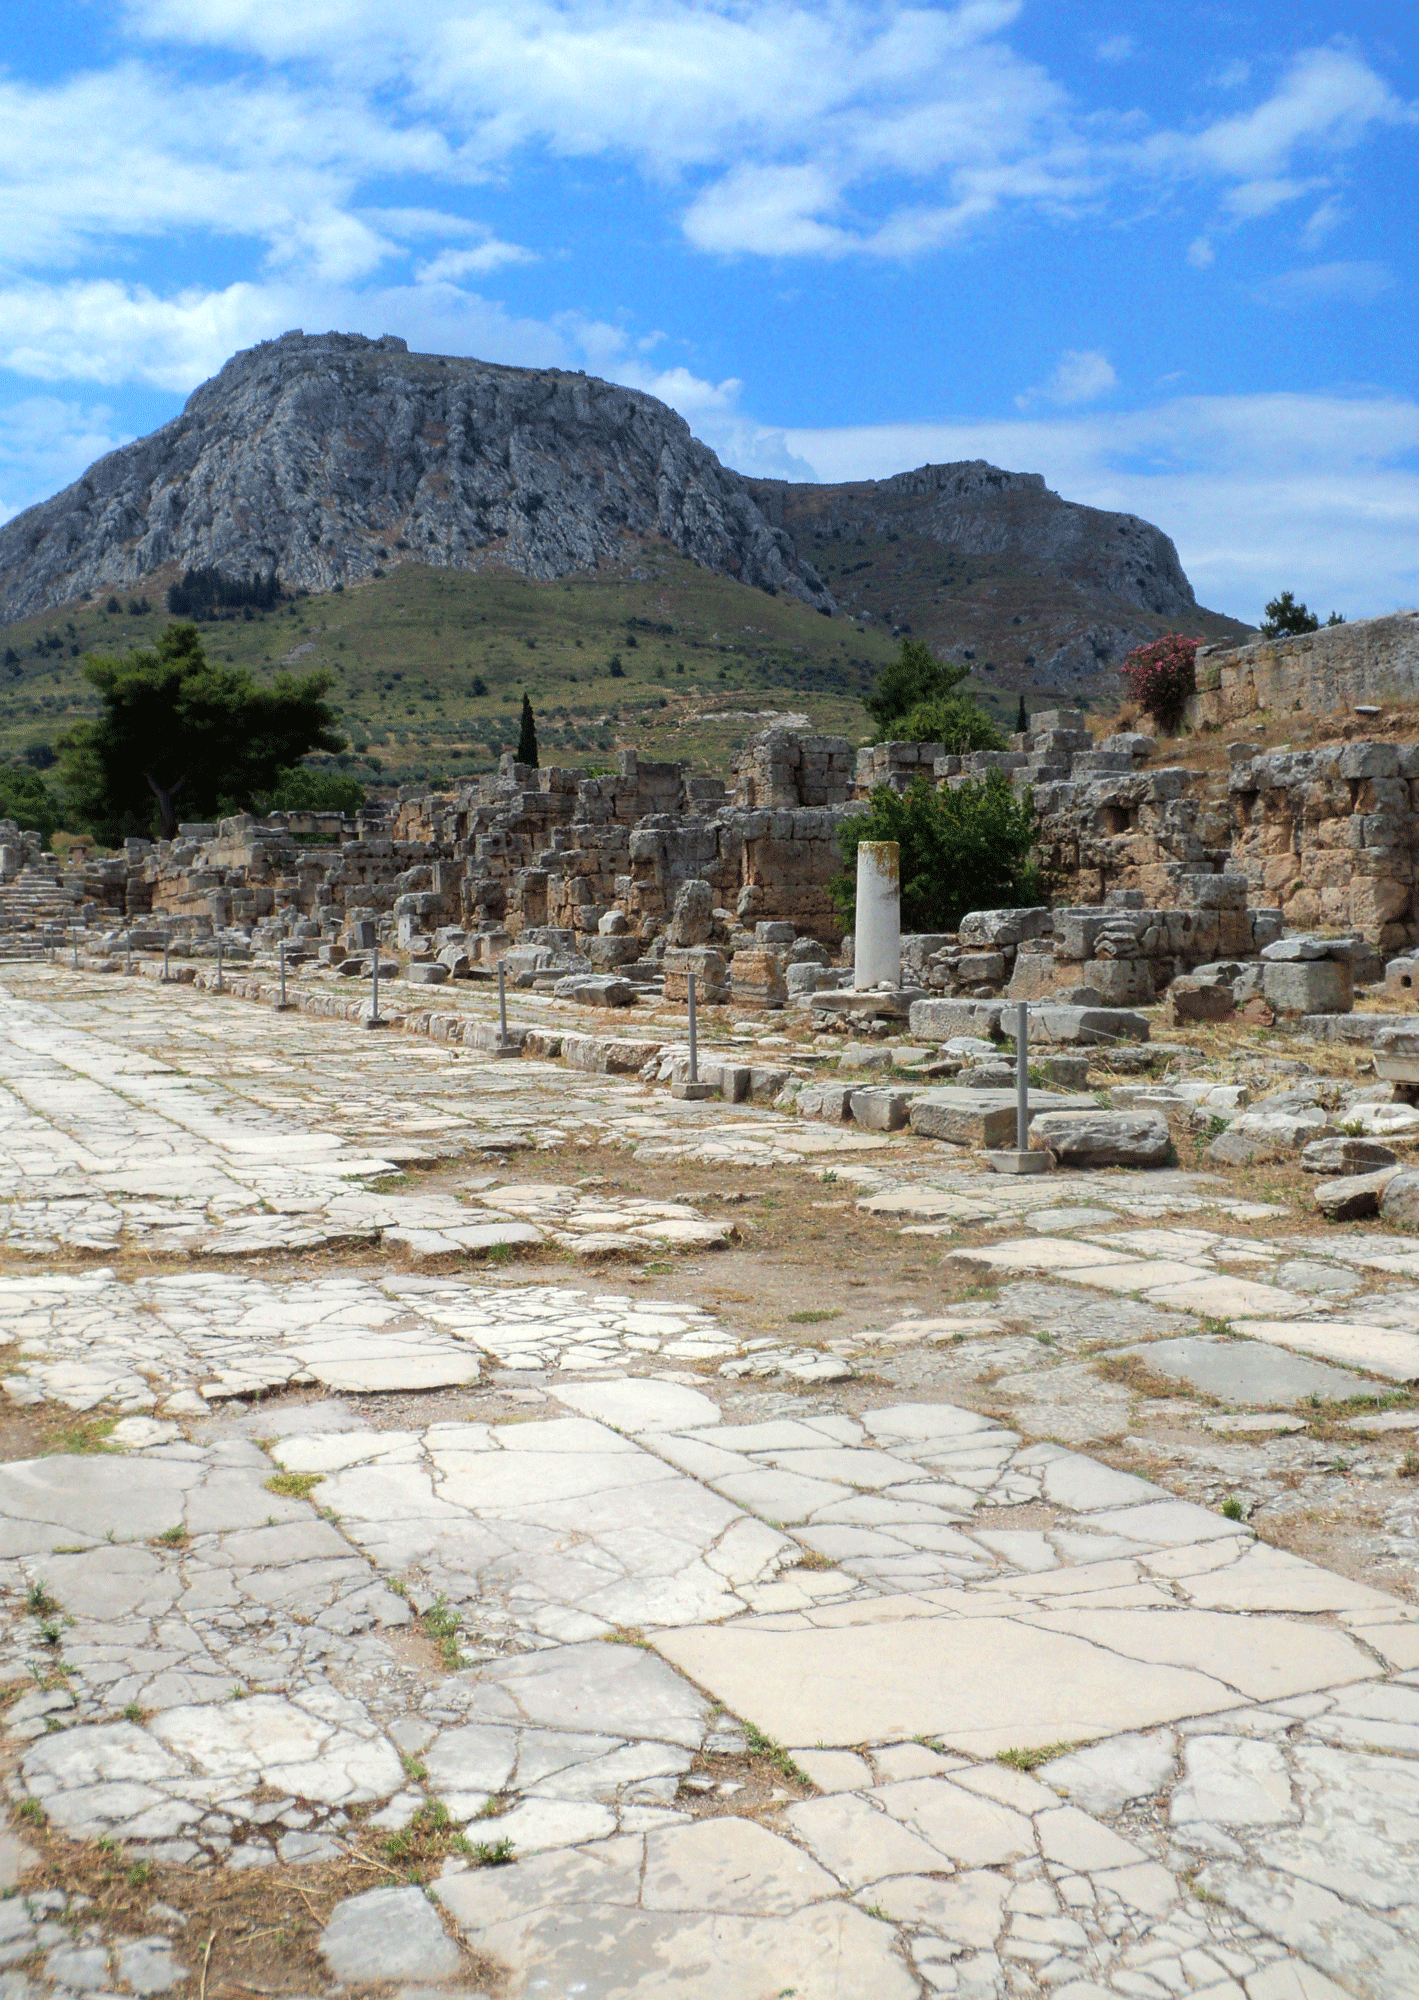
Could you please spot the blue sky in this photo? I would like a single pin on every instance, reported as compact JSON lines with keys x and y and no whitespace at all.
{"x":1165,"y":255}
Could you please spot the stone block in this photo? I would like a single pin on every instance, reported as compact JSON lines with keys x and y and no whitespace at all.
{"x":711,"y":970}
{"x":427,"y":975}
{"x":692,"y":917}
{"x":981,"y":968}
{"x":880,"y":1110}
{"x":1195,"y":1000}
{"x":609,"y":950}
{"x":1091,"y":1139}
{"x":989,"y":930}
{"x":1346,"y":1156}
{"x":1308,"y":986}
{"x":805,"y":978}
{"x":756,"y":979}
{"x":1086,"y":1026}
{"x":1399,"y":1203}
{"x":939,"y":1020}
{"x":603,"y":1056}
{"x":830,"y":1101}
{"x":484,"y":1035}
{"x":1350,"y":1197}
{"x":595,"y":990}
{"x":958,"y":1118}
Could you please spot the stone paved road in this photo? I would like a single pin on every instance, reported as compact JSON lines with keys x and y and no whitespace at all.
{"x":767,"y":1693}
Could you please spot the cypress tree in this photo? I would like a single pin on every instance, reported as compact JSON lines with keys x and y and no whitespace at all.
{"x":527,"y":737}
{"x":1022,"y":720}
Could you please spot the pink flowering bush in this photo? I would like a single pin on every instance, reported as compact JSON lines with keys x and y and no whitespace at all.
{"x":1162,"y":676}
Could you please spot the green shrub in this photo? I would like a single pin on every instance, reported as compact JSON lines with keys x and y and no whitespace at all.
{"x":303,"y":789}
{"x":966,"y":847}
{"x":955,"y":721}
{"x":28,"y":800}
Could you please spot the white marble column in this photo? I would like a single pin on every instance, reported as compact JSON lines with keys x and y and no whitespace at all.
{"x":877,"y":943}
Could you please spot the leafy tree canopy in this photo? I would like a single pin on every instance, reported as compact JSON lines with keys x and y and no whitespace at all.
{"x":28,"y":800}
{"x":916,"y":676}
{"x":1285,"y":616}
{"x":306,"y":790}
{"x":181,"y":734}
{"x":954,"y":721}
{"x":965,"y":847}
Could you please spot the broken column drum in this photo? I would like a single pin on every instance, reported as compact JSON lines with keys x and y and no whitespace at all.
{"x":877,"y":944}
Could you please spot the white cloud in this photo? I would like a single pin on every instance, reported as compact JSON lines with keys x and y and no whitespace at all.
{"x":1200,"y":253}
{"x":1356,"y":283}
{"x":1323,"y":222}
{"x":776,"y":128}
{"x":1083,"y":375}
{"x":450,"y":267}
{"x":102,"y":331}
{"x":1116,"y":48}
{"x":45,"y":443}
{"x":1327,"y":101}
{"x":1316,"y":493}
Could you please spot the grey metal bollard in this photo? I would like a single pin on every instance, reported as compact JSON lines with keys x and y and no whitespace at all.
{"x":694,"y":1047}
{"x":75,"y":935}
{"x":1022,"y":1078}
{"x":281,"y":950}
{"x":219,"y":965}
{"x":127,"y":955}
{"x":502,"y":1005}
{"x":167,"y":947}
{"x":374,"y":992}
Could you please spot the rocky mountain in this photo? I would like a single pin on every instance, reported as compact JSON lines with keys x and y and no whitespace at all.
{"x":1039,"y":593}
{"x":325,"y":457}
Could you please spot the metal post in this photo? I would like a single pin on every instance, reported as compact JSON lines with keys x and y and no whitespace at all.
{"x":167,"y":947}
{"x":374,"y":990}
{"x":219,"y":964}
{"x":694,"y":1048}
{"x":1022,"y":1078}
{"x":74,"y":933}
{"x":127,"y":955}
{"x":502,"y":1005}
{"x":283,"y":971}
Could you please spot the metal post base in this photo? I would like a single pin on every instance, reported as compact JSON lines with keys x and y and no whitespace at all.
{"x":1018,"y":1163}
{"x":504,"y":1049}
{"x":694,"y":1091}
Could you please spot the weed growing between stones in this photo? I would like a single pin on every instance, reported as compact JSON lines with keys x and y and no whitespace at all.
{"x":1233,"y":1509}
{"x":1030,"y":1760}
{"x":419,"y":1848}
{"x":82,"y":1439}
{"x":773,"y":1753}
{"x":294,"y":1485}
{"x":442,"y":1624}
{"x":1131,"y":1371}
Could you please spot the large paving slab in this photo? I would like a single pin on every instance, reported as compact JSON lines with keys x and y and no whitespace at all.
{"x":222,"y":1625}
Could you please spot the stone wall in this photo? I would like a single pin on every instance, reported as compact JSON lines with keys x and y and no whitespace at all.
{"x":1331,"y":835}
{"x":1324,"y":673}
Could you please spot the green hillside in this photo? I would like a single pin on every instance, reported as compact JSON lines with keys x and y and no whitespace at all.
{"x":429,"y":665}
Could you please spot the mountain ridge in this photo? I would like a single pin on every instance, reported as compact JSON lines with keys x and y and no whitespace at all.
{"x":328,"y":458}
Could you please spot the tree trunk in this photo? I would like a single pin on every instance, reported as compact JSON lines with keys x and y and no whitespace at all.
{"x":167,"y":809}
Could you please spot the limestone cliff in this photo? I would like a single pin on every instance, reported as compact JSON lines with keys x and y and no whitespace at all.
{"x":324,"y":457}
